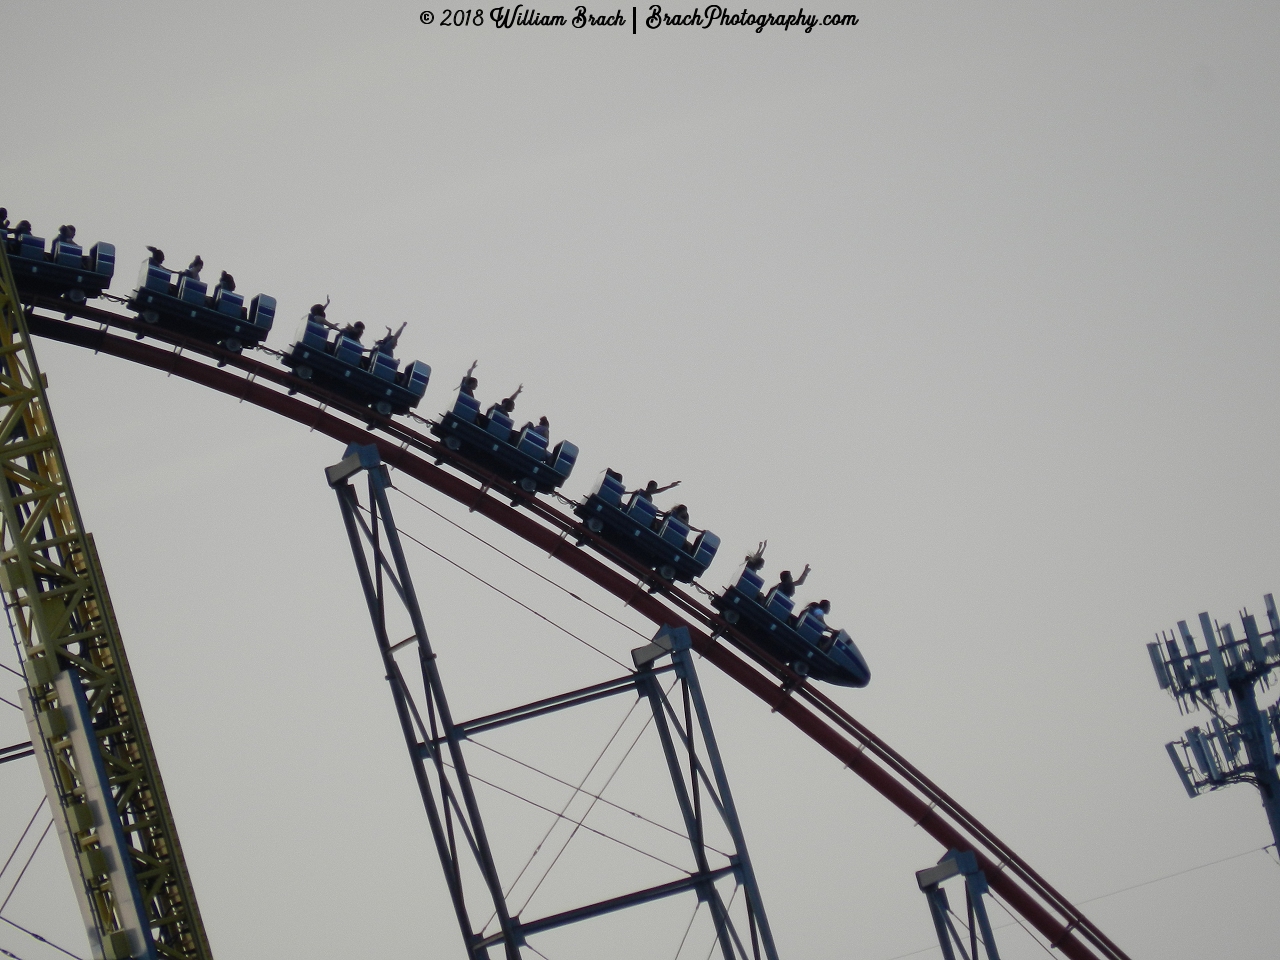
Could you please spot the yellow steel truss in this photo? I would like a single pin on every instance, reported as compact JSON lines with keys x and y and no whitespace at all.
{"x":54,"y":589}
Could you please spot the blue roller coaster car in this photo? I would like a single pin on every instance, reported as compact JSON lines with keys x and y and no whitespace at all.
{"x":520,"y":455}
{"x":808,"y":646}
{"x":184,"y":307}
{"x":64,"y":271}
{"x":640,"y":530}
{"x":371,"y":379}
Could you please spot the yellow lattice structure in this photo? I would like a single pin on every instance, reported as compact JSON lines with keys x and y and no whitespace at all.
{"x":87,"y":727}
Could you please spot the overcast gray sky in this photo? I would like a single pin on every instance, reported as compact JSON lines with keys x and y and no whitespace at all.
{"x":972,"y":307}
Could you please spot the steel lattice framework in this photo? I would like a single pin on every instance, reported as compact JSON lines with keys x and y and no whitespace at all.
{"x":111,"y":809}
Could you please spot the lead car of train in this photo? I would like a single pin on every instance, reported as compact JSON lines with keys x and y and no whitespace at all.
{"x":804,"y":640}
{"x":614,"y":519}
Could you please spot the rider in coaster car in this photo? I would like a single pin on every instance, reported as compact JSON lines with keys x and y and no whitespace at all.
{"x":388,"y":343}
{"x":542,"y":428}
{"x":787,"y":584}
{"x":507,"y":405}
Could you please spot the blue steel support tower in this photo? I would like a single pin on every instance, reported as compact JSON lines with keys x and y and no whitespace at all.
{"x":455,"y":809}
{"x":1227,"y":672}
{"x":435,"y":744}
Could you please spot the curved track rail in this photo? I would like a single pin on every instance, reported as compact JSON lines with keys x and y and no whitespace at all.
{"x":562,"y":537}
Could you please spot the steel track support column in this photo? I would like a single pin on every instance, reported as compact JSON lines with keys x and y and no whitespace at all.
{"x":677,"y":642}
{"x":692,"y":814}
{"x":424,"y":745}
{"x":965,"y":864}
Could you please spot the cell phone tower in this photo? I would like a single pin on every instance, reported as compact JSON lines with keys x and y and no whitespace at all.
{"x":1225,"y":675}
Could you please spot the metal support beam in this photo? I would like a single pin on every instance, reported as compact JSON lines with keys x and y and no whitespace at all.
{"x":455,"y":799}
{"x":959,"y":863}
{"x":692,"y":780}
{"x":16,"y":752}
{"x":541,"y":708}
{"x":691,"y":882}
